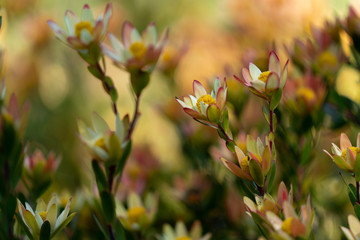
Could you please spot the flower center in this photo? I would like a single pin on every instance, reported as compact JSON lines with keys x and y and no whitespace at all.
{"x":306,"y":93}
{"x":207,"y":99}
{"x":327,"y":58}
{"x":81,"y":26}
{"x":264,"y":76}
{"x":135,"y":213}
{"x":183,"y":238}
{"x":244,"y":164}
{"x":43,"y":215}
{"x":138,"y":50}
{"x":286,"y":225}
{"x":101,"y":143}
{"x":355,"y":150}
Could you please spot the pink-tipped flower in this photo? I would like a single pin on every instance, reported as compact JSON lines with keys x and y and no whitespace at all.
{"x":136,"y":52}
{"x":255,"y":165}
{"x":345,"y":156}
{"x":37,"y":166}
{"x":81,"y":32}
{"x":204,"y":106}
{"x":263,"y":84}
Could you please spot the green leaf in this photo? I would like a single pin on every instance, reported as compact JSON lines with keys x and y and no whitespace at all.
{"x":94,"y":52}
{"x":357,"y":168}
{"x":352,"y":193}
{"x":266,"y":114}
{"x":271,"y":177}
{"x":108,"y":205}
{"x":256,"y":172}
{"x":262,"y":224}
{"x":24,"y":227}
{"x":63,"y":224}
{"x":45,"y":231}
{"x":113,"y":94}
{"x":124,"y":157}
{"x":106,"y":233}
{"x":10,"y":207}
{"x":100,"y":176}
{"x":306,"y":153}
{"x":95,"y":72}
{"x":275,"y":99}
{"x":139,"y":80}
{"x":357,"y":210}
{"x":231,"y":146}
{"x":119,"y":231}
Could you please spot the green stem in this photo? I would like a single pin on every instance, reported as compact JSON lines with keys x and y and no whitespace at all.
{"x":135,"y":117}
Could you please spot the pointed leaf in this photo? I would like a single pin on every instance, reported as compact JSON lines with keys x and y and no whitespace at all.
{"x":108,"y":205}
{"x":357,"y":168}
{"x":100,"y":176}
{"x":45,"y":231}
{"x":275,"y":99}
{"x":256,"y":173}
{"x":271,"y":177}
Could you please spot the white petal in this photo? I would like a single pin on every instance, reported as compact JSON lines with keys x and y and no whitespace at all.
{"x":254,"y":71}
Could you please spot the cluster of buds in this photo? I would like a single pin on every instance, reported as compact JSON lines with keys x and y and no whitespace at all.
{"x":345,"y":157}
{"x":138,"y":215}
{"x":255,"y":164}
{"x":181,"y":233}
{"x":279,"y":217}
{"x":44,"y":221}
{"x":206,"y":107}
{"x":265,"y":84}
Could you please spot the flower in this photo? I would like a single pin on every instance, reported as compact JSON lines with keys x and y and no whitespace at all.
{"x":181,"y":233}
{"x":104,"y":144}
{"x":255,"y":165}
{"x":345,"y":156}
{"x":291,"y":226}
{"x":353,"y":232}
{"x":204,"y":106}
{"x":81,"y":32}
{"x":34,"y":220}
{"x":263,"y":84}
{"x":37,"y":165}
{"x":279,"y":217}
{"x":138,"y":215}
{"x":136,"y":52}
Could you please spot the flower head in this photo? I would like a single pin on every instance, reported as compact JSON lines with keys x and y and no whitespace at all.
{"x":181,"y":233}
{"x":204,"y":106}
{"x":263,"y":84}
{"x":138,"y":214}
{"x":254,"y":165}
{"x":353,"y":232}
{"x":136,"y":52}
{"x":104,"y":144}
{"x":34,"y":220}
{"x":345,"y":156}
{"x":81,"y":32}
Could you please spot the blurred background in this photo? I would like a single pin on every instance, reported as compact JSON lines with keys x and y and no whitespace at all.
{"x":208,"y":39}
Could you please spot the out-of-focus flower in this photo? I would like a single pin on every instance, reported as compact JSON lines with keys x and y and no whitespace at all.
{"x":13,"y":114}
{"x":170,"y":58}
{"x":138,"y":215}
{"x":305,"y":95}
{"x":34,"y":220}
{"x":255,"y":165}
{"x":345,"y":156}
{"x":263,"y":84}
{"x":353,"y":232}
{"x":81,"y":32}
{"x":181,"y":233}
{"x":204,"y":106}
{"x":104,"y":144}
{"x":136,"y":52}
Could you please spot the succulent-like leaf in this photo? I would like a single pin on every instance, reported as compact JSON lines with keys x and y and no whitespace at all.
{"x":256,"y":173}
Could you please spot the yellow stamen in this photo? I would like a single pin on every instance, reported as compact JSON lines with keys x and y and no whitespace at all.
{"x":138,"y":50}
{"x":244,"y":164}
{"x":327,"y":59}
{"x":355,"y":150}
{"x":43,"y":215}
{"x":101,"y":143}
{"x":183,"y":238}
{"x":264,"y":76}
{"x":306,"y":93}
{"x":83,"y":25}
{"x":207,"y":99}
{"x":286,"y":225}
{"x":134,"y":214}
{"x":169,"y":54}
